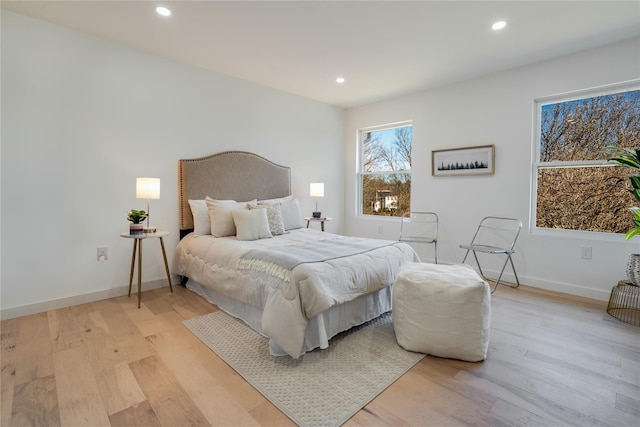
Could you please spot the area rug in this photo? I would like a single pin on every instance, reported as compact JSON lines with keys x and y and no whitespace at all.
{"x":322,"y":388}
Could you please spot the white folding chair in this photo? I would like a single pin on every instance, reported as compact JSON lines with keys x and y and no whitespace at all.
{"x":495,"y":236}
{"x":420,"y":227}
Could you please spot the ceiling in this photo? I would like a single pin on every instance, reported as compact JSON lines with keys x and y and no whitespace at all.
{"x":382,"y":48}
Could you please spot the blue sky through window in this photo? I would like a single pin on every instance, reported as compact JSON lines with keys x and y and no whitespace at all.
{"x":385,"y":140}
{"x":580,"y":129}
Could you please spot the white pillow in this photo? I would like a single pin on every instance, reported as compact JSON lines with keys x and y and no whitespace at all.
{"x":275,"y":201}
{"x":274,"y":217}
{"x":201,"y":221}
{"x":220,"y":215}
{"x":291,"y":216}
{"x":251,"y":224}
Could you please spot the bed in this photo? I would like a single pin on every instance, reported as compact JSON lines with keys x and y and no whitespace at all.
{"x":297,"y":286}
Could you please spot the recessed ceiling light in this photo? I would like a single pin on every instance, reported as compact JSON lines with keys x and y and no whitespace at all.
{"x":340,"y":80}
{"x":499,"y":25}
{"x":161,"y":10}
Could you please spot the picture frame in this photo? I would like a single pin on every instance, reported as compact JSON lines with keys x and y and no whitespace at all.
{"x":478,"y":160}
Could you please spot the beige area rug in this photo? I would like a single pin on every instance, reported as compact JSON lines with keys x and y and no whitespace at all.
{"x":322,"y":388}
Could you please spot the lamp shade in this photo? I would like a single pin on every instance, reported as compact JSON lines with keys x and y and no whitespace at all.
{"x":316,"y":189}
{"x":147,"y":188}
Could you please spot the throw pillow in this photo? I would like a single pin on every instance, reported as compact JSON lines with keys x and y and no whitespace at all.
{"x":220,"y":215}
{"x":274,"y":216}
{"x":201,"y":221}
{"x":251,"y":224}
{"x":291,"y":216}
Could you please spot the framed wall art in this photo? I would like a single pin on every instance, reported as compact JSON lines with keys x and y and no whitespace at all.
{"x":463,"y":161}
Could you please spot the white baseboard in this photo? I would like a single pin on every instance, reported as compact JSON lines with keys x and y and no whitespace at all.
{"x":565,"y":288}
{"x":25,"y":310}
{"x":39,"y":307}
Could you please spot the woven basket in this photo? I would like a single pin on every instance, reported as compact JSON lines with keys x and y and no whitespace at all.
{"x":624,"y":303}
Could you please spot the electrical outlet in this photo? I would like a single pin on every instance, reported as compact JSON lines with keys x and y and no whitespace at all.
{"x":379,"y":229}
{"x":585,"y":252}
{"x":103,"y":253}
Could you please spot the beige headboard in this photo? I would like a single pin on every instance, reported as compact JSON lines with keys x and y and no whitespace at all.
{"x":229,"y":175}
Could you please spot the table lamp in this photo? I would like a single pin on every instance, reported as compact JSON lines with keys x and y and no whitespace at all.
{"x":148,"y":188}
{"x":316,"y":189}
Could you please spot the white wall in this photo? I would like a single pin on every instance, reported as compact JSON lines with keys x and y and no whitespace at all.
{"x":83,"y":117}
{"x":498,"y":109}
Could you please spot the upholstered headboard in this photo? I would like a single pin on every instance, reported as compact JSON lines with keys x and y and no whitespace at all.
{"x":229,"y":175}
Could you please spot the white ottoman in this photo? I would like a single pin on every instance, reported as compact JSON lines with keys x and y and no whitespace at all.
{"x":442,"y":310}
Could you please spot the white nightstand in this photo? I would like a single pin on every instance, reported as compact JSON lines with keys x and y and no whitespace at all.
{"x":322,"y":220}
{"x":137,"y":242}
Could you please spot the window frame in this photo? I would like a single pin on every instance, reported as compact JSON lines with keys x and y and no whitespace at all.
{"x":360,"y":166}
{"x":536,"y":164}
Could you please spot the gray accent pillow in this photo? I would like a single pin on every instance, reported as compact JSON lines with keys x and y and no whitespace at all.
{"x":291,"y":215}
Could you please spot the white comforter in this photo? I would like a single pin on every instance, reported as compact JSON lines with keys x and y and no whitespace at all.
{"x":310,"y":289}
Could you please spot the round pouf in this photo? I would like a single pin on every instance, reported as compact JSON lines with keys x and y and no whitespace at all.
{"x":442,"y":310}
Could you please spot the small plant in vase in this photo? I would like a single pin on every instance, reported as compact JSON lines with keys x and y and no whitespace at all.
{"x":136,"y":217}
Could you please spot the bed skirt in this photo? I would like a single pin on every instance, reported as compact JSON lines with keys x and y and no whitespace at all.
{"x":320,"y":328}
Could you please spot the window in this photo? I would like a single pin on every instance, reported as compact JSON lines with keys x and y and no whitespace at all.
{"x":574,"y":186}
{"x":385,"y":169}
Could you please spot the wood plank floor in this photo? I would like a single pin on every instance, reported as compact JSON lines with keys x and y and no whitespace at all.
{"x":553,"y":360}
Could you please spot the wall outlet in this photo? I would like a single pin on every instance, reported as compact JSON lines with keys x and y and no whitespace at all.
{"x":103,"y":253}
{"x":379,"y":229}
{"x":585,"y":252}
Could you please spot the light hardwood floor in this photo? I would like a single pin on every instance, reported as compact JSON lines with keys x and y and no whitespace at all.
{"x":553,"y":360}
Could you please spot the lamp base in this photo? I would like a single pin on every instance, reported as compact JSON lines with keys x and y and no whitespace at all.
{"x":150,"y":230}
{"x":317,"y":214}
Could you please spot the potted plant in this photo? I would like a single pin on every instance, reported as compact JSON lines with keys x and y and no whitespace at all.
{"x":630,"y":158}
{"x":136,"y":217}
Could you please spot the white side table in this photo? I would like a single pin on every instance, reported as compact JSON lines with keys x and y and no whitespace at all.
{"x":137,"y":242}
{"x":322,"y":220}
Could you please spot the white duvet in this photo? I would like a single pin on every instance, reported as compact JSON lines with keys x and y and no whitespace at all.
{"x":310,"y":288}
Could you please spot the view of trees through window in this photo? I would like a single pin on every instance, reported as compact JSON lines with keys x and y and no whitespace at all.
{"x":576,"y":189}
{"x":386,"y":170}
